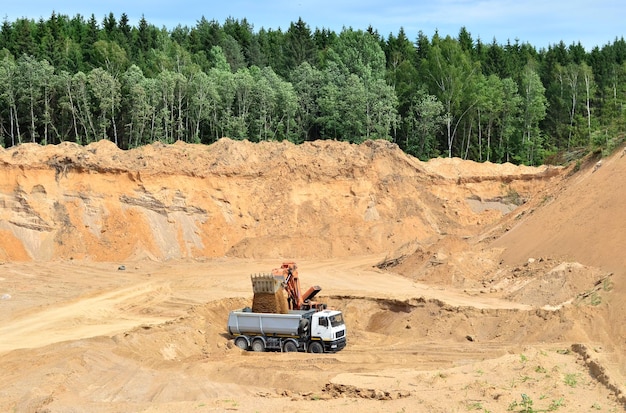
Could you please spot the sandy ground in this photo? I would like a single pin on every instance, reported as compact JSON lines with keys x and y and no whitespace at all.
{"x":152,"y":338}
{"x":465,"y":287}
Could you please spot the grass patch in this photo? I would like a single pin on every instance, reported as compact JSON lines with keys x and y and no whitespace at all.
{"x":571,"y":379}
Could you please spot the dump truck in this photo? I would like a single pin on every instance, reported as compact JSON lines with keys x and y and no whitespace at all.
{"x":310,"y":331}
{"x":291,"y":323}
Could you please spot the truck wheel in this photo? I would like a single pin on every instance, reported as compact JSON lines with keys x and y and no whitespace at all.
{"x":316,"y":347}
{"x":290,"y":347}
{"x":242,"y":343}
{"x":258,"y":345}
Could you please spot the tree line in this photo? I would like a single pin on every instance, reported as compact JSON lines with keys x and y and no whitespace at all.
{"x":75,"y":79}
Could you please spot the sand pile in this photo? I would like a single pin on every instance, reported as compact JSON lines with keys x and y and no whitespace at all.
{"x":270,"y":303}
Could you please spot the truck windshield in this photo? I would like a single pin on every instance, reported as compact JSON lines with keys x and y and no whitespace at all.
{"x":336,"y":320}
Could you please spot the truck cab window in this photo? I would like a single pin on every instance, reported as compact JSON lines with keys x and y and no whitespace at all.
{"x":336,"y":320}
{"x":323,"y":321}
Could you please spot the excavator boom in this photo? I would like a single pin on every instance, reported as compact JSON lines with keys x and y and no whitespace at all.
{"x":288,"y":274}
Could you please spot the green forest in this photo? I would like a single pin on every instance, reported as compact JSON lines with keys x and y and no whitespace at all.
{"x":82,"y":80}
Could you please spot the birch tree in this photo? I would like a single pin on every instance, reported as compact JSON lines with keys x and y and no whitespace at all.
{"x":589,"y":84}
{"x":105,"y":91}
{"x":203,"y":98}
{"x":81,"y":108}
{"x":423,"y":123}
{"x":508,"y":119}
{"x":533,"y":111}
{"x":30,"y":81}
{"x":571,"y":72}
{"x":8,"y":96}
{"x":307,"y":82}
{"x":450,"y":71}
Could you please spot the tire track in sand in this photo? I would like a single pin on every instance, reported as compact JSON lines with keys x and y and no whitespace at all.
{"x":107,"y":313}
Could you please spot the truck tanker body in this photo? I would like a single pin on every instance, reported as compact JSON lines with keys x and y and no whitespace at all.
{"x":299,"y":330}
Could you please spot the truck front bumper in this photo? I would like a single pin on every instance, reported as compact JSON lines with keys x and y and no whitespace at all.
{"x":334,"y":346}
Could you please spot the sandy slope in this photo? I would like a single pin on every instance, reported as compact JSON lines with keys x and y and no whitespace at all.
{"x":120,"y":269}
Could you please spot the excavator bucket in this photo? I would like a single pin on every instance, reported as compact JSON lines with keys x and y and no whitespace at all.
{"x":268,"y":294}
{"x":265,"y":283}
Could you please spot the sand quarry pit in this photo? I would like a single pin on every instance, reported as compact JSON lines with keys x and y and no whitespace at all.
{"x":464,"y":286}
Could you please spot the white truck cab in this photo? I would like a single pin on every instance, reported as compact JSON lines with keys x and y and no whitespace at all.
{"x":329,"y":328}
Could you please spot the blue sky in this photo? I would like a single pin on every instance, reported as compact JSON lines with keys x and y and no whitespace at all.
{"x":538,"y":22}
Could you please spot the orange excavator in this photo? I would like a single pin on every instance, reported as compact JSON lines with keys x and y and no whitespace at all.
{"x":287,"y":274}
